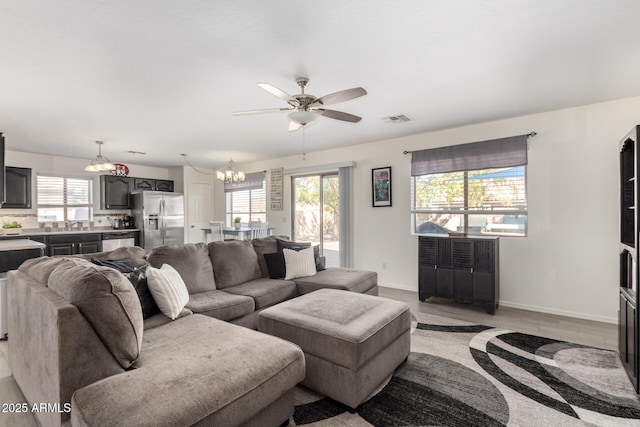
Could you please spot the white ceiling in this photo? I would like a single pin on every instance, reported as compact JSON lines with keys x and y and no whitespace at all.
{"x":163,"y":76}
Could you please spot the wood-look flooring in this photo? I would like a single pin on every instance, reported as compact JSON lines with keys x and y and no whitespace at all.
{"x":579,"y":331}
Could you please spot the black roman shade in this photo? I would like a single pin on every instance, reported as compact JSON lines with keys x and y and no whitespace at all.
{"x":494,"y":153}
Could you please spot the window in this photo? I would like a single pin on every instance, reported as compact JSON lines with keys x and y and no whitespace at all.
{"x":488,"y":201}
{"x":64,"y":198}
{"x":247,"y":200}
{"x":478,"y":188}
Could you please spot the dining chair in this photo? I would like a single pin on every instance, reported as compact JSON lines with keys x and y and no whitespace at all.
{"x":217,"y":233}
{"x":259,"y":229}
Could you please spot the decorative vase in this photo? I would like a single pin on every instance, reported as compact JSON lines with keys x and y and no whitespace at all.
{"x":236,"y":225}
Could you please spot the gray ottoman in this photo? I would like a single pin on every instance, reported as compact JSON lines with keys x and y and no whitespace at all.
{"x":352,"y":342}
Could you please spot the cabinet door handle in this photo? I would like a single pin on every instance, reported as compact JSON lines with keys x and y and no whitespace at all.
{"x":472,"y":269}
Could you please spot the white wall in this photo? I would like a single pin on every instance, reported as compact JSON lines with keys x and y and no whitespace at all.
{"x":57,"y":165}
{"x":568,"y":263}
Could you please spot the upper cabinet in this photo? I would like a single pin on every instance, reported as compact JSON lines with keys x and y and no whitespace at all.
{"x":152,"y":184}
{"x":17,"y":188}
{"x":115,"y":192}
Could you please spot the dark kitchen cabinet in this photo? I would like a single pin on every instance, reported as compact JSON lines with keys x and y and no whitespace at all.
{"x":17,"y":188}
{"x":115,"y":192}
{"x":152,"y":184}
{"x":73,"y":244}
{"x":628,"y":323}
{"x":144,"y":184}
{"x":164,"y":185}
{"x":464,"y":269}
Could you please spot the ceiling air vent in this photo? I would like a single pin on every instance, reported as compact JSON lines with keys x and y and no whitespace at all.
{"x":400,"y":118}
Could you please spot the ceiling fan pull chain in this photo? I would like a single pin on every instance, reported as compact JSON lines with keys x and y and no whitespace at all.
{"x":304,"y":151}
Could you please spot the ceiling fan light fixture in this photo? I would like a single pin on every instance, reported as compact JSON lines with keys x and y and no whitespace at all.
{"x":100,"y":163}
{"x":304,"y":118}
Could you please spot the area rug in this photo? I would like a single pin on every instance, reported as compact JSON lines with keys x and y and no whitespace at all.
{"x":461,"y":374}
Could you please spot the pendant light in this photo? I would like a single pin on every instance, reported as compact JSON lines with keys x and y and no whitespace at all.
{"x":100,"y":163}
{"x":228,"y":174}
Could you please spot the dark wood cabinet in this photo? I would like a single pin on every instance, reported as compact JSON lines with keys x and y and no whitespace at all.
{"x":73,"y":244}
{"x":164,"y":185}
{"x":628,"y":323}
{"x":17,"y":188}
{"x":144,"y":184}
{"x":115,"y":192}
{"x":152,"y":184}
{"x":465,"y":269}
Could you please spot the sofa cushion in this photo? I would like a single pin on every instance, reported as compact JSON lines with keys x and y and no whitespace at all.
{"x":39,"y":269}
{"x":191,"y":260}
{"x":266,"y":245}
{"x":275,"y":265}
{"x":109,"y":303}
{"x":138,"y":279}
{"x":234,"y":262}
{"x":203,"y":372}
{"x":297,"y":246}
{"x":265,"y":292}
{"x":168,"y":290}
{"x":338,"y":278}
{"x":160,"y":319}
{"x":299,"y":263}
{"x":221,"y":305}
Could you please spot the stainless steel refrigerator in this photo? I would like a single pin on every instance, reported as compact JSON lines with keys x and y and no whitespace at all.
{"x":160,"y":217}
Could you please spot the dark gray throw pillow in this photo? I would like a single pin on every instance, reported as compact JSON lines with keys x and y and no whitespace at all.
{"x":123,"y":265}
{"x":296,"y":246}
{"x":275,"y":265}
{"x":138,"y":279}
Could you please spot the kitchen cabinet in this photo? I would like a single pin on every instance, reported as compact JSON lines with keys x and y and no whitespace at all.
{"x":73,"y":244}
{"x":152,"y":184}
{"x":461,"y":268}
{"x":115,"y":192}
{"x":17,"y":188}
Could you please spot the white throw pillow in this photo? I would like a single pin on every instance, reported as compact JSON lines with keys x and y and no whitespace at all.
{"x":299,"y":263}
{"x":168,"y":290}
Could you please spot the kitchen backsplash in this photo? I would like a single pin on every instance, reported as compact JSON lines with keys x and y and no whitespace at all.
{"x":30,"y":220}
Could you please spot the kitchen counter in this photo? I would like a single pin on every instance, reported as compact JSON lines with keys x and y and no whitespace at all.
{"x":19,"y":245}
{"x":40,"y":232}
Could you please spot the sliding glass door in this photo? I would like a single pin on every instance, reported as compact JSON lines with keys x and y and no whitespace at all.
{"x":316,"y":213}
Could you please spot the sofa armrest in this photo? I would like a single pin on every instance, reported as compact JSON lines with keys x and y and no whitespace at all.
{"x":52,"y":348}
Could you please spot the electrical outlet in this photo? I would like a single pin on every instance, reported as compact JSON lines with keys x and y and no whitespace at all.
{"x":384,"y":265}
{"x":284,"y":219}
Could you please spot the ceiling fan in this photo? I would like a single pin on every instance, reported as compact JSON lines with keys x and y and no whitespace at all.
{"x":305,"y":108}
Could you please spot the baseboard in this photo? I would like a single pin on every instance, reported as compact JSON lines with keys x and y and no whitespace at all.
{"x":603,"y":319}
{"x":397,"y":286}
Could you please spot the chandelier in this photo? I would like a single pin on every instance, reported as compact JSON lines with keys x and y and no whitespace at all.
{"x":100,"y":163}
{"x":228,"y":174}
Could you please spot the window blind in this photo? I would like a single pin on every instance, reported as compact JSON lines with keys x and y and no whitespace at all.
{"x":252,"y":181}
{"x":494,"y":153}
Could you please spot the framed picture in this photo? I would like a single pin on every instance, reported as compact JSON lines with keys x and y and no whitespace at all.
{"x":381,"y":186}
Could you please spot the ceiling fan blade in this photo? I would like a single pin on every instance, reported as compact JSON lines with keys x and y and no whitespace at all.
{"x":276,"y":92}
{"x":293,"y":126}
{"x":338,"y":115}
{"x":266,"y":110}
{"x":341,"y":96}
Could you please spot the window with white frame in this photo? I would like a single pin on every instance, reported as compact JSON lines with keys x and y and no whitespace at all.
{"x":477,"y":189}
{"x":61,"y":198}
{"x":247,"y":200}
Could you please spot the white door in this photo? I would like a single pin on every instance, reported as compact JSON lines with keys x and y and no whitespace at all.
{"x":200,"y":209}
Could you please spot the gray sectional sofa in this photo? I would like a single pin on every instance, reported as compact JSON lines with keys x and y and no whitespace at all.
{"x":77,"y":338}
{"x":230,"y":280}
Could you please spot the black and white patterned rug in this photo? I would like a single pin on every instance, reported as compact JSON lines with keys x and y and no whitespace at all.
{"x":459,"y":374}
